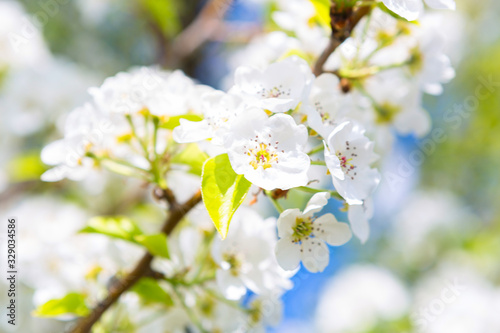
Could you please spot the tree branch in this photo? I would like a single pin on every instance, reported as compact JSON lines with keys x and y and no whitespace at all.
{"x":343,"y":21}
{"x":142,"y":269}
{"x":203,"y":28}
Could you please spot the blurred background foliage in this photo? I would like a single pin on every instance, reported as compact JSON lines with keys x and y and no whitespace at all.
{"x":111,"y":37}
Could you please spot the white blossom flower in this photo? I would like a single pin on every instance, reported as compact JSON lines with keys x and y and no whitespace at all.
{"x":431,"y":67}
{"x":327,"y":104}
{"x":348,"y":156}
{"x":398,"y":103}
{"x":219,"y":110}
{"x":303,"y":236}
{"x":35,"y":98}
{"x":261,"y":51}
{"x":412,"y":9}
{"x":297,"y":16}
{"x":278,"y":88}
{"x":160,"y":92}
{"x":86,"y":130}
{"x":265,"y":310}
{"x":21,"y":42}
{"x":176,"y":95}
{"x":268,"y":150}
{"x":246,"y":258}
{"x":127,"y":93}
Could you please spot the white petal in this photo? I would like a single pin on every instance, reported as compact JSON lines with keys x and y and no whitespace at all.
{"x":53,"y":153}
{"x":287,"y":221}
{"x":354,"y":191}
{"x":287,"y":254}
{"x":192,"y":131}
{"x":315,"y":255}
{"x":334,"y":233}
{"x":359,"y":222}
{"x":54,"y":175}
{"x":409,"y":9}
{"x":333,"y":164}
{"x":316,"y":203}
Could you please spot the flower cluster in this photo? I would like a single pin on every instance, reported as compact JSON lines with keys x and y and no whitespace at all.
{"x":269,"y":121}
{"x":284,"y":125}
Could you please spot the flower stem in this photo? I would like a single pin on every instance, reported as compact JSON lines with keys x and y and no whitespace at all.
{"x":323,"y":163}
{"x":316,"y":149}
{"x":275,"y":202}
{"x":134,"y":133}
{"x":306,"y":189}
{"x":188,"y":310}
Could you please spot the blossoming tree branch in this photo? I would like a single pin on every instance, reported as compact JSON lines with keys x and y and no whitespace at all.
{"x":310,"y":110}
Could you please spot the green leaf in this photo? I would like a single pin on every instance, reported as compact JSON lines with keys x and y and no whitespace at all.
{"x":193,"y":157}
{"x":164,"y":14}
{"x":113,"y":226}
{"x":151,"y":292}
{"x":156,"y":244}
{"x":173,"y":122}
{"x":322,"y":16}
{"x":297,"y":52}
{"x":223,"y":191}
{"x":72,"y":303}
{"x":384,"y":8}
{"x":25,"y":167}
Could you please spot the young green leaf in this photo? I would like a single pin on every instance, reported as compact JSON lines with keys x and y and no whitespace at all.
{"x":191,"y":156}
{"x":223,"y":191}
{"x":174,"y":121}
{"x":165,"y":14}
{"x":322,"y":16}
{"x":113,"y":226}
{"x":151,"y":292}
{"x":384,"y":8}
{"x":155,"y":244}
{"x":27,"y":166}
{"x":71,"y":304}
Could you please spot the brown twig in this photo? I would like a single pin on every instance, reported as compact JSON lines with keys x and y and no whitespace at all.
{"x":202,"y":29}
{"x":343,"y":21}
{"x":142,"y":269}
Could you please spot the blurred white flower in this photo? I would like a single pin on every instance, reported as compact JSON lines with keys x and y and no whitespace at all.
{"x":412,"y":9}
{"x":425,"y":213}
{"x":21,"y":42}
{"x":246,"y":256}
{"x":398,"y":104}
{"x":264,"y":311}
{"x":162,"y":93}
{"x":430,"y":65}
{"x":36,"y":97}
{"x":455,"y":298}
{"x":86,"y":129}
{"x":358,"y":297}
{"x":219,"y":110}
{"x":55,"y":258}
